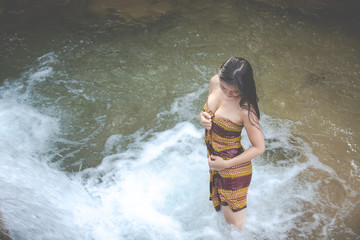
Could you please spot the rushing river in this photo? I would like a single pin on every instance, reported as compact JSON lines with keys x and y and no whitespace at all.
{"x":100,"y":138}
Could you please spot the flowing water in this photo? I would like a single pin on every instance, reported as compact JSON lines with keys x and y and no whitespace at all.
{"x":100,"y":138}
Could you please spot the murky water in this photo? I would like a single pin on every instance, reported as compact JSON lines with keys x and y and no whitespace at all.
{"x":100,"y":137}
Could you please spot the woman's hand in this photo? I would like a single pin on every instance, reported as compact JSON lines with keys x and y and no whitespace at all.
{"x":217,"y":163}
{"x":205,"y":119}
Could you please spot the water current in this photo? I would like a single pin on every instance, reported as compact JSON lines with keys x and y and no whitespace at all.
{"x":100,"y":138}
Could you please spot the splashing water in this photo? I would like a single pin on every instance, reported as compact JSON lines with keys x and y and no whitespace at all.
{"x":156,"y":187}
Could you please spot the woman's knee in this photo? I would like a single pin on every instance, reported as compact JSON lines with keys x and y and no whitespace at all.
{"x":239,"y":223}
{"x":237,"y":219}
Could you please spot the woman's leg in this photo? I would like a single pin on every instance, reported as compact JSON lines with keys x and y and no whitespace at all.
{"x":234,"y":218}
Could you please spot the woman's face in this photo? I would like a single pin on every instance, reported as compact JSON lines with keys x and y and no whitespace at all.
{"x":229,"y":90}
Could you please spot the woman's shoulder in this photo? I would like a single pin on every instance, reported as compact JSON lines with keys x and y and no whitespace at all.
{"x":215,"y":79}
{"x":214,"y":82}
{"x":248,"y":114}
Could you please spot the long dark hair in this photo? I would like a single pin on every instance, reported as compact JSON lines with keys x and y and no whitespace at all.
{"x":237,"y":71}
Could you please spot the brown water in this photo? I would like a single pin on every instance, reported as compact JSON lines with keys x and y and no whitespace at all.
{"x":113,"y":95}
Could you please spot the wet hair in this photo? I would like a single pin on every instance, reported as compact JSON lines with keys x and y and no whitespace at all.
{"x":237,"y":71}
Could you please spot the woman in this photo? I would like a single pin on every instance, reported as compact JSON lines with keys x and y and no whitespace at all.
{"x":231,"y":105}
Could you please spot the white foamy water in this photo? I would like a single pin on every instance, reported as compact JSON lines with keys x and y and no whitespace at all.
{"x":154,"y":188}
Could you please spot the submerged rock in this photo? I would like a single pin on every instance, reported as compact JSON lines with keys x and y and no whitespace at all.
{"x":347,"y":8}
{"x":4,"y":232}
{"x":132,"y":10}
{"x":315,"y":79}
{"x":25,"y":13}
{"x":304,"y":4}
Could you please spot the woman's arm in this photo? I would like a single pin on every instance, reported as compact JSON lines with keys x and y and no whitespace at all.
{"x":257,"y":141}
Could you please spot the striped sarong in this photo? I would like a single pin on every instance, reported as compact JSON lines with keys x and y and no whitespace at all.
{"x":228,"y":187}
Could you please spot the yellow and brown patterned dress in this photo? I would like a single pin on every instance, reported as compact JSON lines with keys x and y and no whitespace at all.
{"x":228,"y":187}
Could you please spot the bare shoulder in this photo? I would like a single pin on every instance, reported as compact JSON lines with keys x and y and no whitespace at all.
{"x":214,"y":82}
{"x":249,"y":116}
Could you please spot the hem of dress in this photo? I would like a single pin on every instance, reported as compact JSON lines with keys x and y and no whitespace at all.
{"x":218,"y":207}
